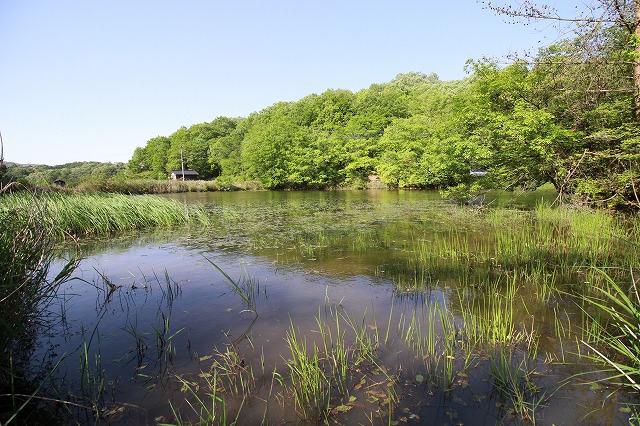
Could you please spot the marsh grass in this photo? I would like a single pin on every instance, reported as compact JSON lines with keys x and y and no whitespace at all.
{"x":310,"y":385}
{"x":27,"y":289}
{"x":208,"y":409}
{"x":556,"y":240}
{"x":612,"y":326}
{"x":99,"y":214}
{"x":514,"y":384}
{"x":456,"y":312}
{"x":164,"y":186}
{"x":336,"y":372}
{"x":246,"y":287}
{"x":34,"y":226}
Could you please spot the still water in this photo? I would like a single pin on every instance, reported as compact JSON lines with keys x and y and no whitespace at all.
{"x":149,"y":317}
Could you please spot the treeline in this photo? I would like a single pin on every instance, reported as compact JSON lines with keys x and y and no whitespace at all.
{"x":70,"y":174}
{"x":562,"y":117}
{"x":337,"y":138}
{"x":524,"y":125}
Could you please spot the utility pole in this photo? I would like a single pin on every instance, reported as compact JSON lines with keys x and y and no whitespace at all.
{"x":1,"y":151}
{"x":182,"y":162}
{"x":3,"y":168}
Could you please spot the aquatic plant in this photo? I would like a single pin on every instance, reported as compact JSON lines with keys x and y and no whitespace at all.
{"x":311,"y":387}
{"x":98,"y":213}
{"x":512,"y":381}
{"x":27,"y":288}
{"x":209,"y":409}
{"x":617,"y":341}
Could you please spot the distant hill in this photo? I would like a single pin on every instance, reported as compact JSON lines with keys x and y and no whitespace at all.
{"x":73,"y":173}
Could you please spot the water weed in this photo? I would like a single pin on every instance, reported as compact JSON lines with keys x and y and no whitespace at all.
{"x":27,"y":241}
{"x":97,"y":213}
{"x":615,"y":339}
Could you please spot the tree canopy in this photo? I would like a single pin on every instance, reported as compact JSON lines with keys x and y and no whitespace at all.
{"x":567,"y":116}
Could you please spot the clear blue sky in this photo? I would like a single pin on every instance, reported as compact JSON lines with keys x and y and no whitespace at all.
{"x":91,"y":80}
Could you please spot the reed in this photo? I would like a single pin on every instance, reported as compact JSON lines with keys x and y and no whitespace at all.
{"x":164,"y":186}
{"x":311,"y":387}
{"x":208,"y":409}
{"x":27,"y":289}
{"x":488,"y":317}
{"x":512,"y":381}
{"x":614,"y":333}
{"x":561,"y":240}
{"x":247,"y":287}
{"x":97,"y":213}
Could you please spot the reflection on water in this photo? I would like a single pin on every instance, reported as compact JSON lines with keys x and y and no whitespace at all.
{"x":148,"y":316}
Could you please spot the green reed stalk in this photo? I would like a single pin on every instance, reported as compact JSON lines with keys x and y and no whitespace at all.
{"x":618,"y":340}
{"x":209,"y":409}
{"x":312,"y":392}
{"x":27,"y":240}
{"x":96,"y":213}
{"x":247,"y":296}
{"x":512,"y":380}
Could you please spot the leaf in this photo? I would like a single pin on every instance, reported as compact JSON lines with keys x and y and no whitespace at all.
{"x":352,"y":398}
{"x":594,"y":386}
{"x":343,"y":408}
{"x":419,"y":378}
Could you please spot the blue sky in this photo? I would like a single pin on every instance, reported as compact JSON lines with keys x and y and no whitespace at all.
{"x":91,"y":80}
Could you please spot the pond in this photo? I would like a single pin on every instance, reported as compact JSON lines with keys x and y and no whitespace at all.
{"x":350,"y":307}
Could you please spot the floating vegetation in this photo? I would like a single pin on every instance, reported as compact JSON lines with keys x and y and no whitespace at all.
{"x":381,"y":311}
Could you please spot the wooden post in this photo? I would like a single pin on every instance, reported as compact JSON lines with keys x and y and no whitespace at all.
{"x":182,"y":162}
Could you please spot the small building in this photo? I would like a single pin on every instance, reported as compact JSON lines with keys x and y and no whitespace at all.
{"x":478,"y":172}
{"x":188,"y":175}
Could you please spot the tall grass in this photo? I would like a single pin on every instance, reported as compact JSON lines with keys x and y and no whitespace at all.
{"x":96,"y":213}
{"x":32,"y":226}
{"x":27,"y":238}
{"x":164,"y":186}
{"x":617,"y":341}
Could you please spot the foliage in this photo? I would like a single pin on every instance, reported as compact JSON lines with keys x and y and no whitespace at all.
{"x":551,"y":119}
{"x":618,"y":346}
{"x":201,"y":147}
{"x":72,"y":174}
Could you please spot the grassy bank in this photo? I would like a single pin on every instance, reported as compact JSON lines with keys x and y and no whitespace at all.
{"x":152,"y":186}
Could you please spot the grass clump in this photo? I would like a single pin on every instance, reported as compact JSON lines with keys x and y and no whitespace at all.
{"x":27,"y":238}
{"x":32,"y":228}
{"x":97,"y":213}
{"x":617,"y":341}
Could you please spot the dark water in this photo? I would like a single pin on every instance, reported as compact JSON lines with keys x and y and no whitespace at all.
{"x":166,"y":312}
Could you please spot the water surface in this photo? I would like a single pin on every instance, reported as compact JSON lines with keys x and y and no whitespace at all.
{"x":148,"y":310}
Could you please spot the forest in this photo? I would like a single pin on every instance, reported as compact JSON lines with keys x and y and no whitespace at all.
{"x":567,"y":116}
